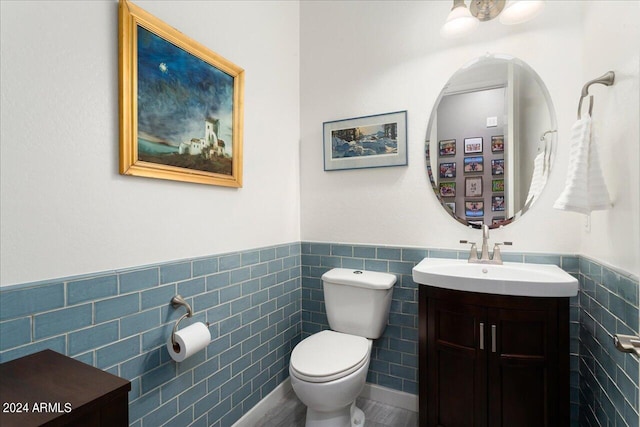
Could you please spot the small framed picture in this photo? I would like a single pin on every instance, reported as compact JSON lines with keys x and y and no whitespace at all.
{"x":473,"y":164}
{"x":497,"y":203}
{"x":477,"y":223}
{"x":366,"y":142}
{"x":451,"y":206}
{"x":473,"y":186}
{"x":497,"y":167}
{"x":497,"y":143}
{"x":447,"y":147}
{"x":472,"y":145}
{"x":497,"y":185}
{"x":474,"y":209}
{"x":447,"y":189}
{"x":448,"y":170}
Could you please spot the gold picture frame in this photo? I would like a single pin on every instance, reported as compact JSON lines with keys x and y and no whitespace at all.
{"x":181,"y":113}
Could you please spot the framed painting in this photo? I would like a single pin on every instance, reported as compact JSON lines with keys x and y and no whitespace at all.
{"x":448,"y":170}
{"x":497,"y":220}
{"x":181,"y":105}
{"x":451,"y":206}
{"x":497,"y":167}
{"x":474,"y":209}
{"x":473,"y":164}
{"x":497,"y":144}
{"x":473,"y":186}
{"x":366,"y":142}
{"x":472,"y":145}
{"x":497,"y":203}
{"x":447,"y":189}
{"x":447,"y":147}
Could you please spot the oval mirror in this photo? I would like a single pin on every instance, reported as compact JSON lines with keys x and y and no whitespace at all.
{"x":489,"y":141}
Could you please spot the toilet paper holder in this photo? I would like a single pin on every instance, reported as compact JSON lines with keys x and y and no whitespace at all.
{"x":176,"y":302}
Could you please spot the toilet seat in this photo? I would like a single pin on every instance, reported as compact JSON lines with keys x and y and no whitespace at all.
{"x":328,"y":356}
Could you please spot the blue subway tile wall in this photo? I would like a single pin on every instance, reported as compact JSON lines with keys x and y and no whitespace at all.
{"x":609,"y":379}
{"x":261,"y":302}
{"x":120,"y":322}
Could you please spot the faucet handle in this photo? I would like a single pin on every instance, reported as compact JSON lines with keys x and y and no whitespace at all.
{"x":473,"y":253}
{"x":497,"y":256}
{"x":496,"y":246}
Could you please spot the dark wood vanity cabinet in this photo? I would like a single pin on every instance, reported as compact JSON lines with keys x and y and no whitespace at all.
{"x":492,"y":360}
{"x":50,"y":389}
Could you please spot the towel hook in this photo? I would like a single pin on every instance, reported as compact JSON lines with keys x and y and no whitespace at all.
{"x":606,"y":79}
{"x":543,"y":137}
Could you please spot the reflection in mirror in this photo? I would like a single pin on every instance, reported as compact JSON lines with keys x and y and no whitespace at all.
{"x":490,"y":140}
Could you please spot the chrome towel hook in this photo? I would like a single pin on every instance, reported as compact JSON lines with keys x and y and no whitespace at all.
{"x":606,"y":79}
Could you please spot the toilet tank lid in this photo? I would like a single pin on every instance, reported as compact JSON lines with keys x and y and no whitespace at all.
{"x":360,"y":278}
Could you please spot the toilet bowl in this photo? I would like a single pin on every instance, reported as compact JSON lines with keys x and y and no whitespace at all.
{"x":328,"y":369}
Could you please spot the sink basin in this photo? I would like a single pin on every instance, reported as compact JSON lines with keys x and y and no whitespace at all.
{"x":510,"y":278}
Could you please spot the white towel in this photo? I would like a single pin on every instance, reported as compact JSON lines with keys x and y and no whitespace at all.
{"x":585,"y":190}
{"x":539,"y":178}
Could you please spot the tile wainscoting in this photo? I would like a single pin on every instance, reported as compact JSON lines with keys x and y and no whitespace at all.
{"x":120,"y":322}
{"x":609,"y":392}
{"x":261,"y":303}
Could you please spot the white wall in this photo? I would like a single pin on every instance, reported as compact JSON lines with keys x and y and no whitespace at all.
{"x":612,"y":42}
{"x":389,"y":56}
{"x":64,"y":208}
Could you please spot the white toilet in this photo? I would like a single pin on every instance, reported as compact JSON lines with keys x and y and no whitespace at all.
{"x":328,"y":369}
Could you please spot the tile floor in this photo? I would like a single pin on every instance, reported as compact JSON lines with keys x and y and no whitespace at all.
{"x":290,"y":412}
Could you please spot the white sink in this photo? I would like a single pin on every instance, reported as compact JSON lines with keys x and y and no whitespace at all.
{"x":510,"y":278}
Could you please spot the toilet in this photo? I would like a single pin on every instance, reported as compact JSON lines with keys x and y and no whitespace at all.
{"x":328,"y":369}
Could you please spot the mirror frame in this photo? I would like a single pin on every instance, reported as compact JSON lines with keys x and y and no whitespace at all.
{"x":552,"y":141}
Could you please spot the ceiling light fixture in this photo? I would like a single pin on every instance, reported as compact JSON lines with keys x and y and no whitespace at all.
{"x":462,"y":21}
{"x":459,"y":22}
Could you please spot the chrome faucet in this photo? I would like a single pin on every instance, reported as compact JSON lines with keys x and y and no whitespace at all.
{"x":485,"y":258}
{"x":485,"y":244}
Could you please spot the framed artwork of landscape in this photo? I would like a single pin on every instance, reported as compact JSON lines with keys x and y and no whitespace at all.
{"x":181,"y":105}
{"x":366,"y":142}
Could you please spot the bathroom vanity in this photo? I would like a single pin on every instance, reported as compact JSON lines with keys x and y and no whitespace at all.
{"x":493,"y":359}
{"x":50,"y":389}
{"x":493,"y":336}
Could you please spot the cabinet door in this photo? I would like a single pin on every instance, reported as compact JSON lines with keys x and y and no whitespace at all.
{"x":522,"y":367}
{"x":456,"y":365}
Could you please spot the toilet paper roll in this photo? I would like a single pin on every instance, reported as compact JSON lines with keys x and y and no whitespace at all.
{"x":189,"y":341}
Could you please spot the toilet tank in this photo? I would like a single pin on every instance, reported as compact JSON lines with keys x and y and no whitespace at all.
{"x":357,"y":301}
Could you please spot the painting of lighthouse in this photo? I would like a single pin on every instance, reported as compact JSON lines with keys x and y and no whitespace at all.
{"x":186,"y":118}
{"x":184,"y":108}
